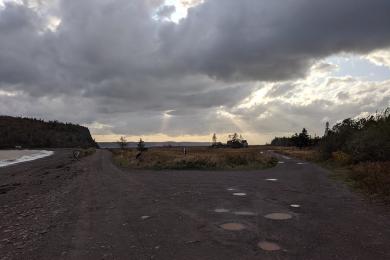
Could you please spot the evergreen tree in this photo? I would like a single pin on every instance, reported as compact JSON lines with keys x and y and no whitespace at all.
{"x":303,"y":139}
{"x":326,"y":129}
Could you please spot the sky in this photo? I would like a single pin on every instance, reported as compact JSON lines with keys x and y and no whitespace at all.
{"x":181,"y":70}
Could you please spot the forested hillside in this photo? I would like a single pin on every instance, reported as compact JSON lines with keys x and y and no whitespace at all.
{"x":34,"y":133}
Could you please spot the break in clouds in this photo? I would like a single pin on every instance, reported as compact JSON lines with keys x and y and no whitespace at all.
{"x":254,"y":66}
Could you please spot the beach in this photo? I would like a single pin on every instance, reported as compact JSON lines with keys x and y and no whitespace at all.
{"x":10,"y":157}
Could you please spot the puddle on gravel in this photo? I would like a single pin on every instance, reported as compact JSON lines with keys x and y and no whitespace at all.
{"x":145,"y":217}
{"x":232,"y":226}
{"x":239,"y":194}
{"x":295,"y":205}
{"x":301,"y":163}
{"x":280,"y":162}
{"x":268,"y":246}
{"x":231,"y":189}
{"x":221,"y":210}
{"x":245,"y":213}
{"x":271,"y":180}
{"x":278,"y":216}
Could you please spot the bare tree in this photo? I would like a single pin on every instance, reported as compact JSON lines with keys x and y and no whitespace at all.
{"x":214,"y":139}
{"x":122,"y":142}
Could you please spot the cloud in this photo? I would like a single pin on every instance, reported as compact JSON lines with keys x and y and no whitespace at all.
{"x":274,"y":40}
{"x":380,"y":57}
{"x":111,"y":65}
{"x":166,"y":11}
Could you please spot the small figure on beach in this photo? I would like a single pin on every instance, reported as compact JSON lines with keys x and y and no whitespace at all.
{"x":76,"y":154}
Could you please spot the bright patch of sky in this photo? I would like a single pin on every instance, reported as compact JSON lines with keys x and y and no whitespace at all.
{"x":181,"y":8}
{"x":358,"y":67}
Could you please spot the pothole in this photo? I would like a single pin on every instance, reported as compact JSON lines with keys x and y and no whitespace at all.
{"x":268,"y":246}
{"x":278,"y":216}
{"x":221,"y":210}
{"x":232,"y":226}
{"x":245,"y":213}
{"x":274,"y":180}
{"x":239,"y":194}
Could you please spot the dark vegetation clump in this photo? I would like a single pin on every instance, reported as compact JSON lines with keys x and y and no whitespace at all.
{"x":357,"y":149}
{"x":365,"y":139}
{"x":300,"y":140}
{"x":234,"y":141}
{"x":35,"y":133}
{"x":237,"y":141}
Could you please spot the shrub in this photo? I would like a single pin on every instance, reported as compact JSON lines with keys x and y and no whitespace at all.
{"x":373,"y":177}
{"x":193,"y":164}
{"x":341,"y":158}
{"x":236,"y":160}
{"x":365,"y":139}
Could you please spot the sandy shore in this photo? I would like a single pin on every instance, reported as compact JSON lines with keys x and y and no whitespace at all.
{"x":8,"y":157}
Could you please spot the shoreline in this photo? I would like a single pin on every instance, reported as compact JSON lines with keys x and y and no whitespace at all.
{"x":12,"y":157}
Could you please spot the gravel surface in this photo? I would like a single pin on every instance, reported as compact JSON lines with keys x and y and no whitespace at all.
{"x":58,"y":208}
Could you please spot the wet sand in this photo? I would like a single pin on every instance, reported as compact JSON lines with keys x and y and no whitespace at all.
{"x":8,"y":155}
{"x":11,"y":157}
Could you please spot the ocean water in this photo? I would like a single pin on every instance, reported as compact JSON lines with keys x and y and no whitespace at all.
{"x":108,"y":145}
{"x":10,"y":157}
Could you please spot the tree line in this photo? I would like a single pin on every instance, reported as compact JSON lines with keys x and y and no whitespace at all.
{"x":361,"y":139}
{"x":364,"y":139}
{"x":300,"y":140}
{"x":36,"y":133}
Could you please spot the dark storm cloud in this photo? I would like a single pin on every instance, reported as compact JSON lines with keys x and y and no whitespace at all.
{"x":274,"y":40}
{"x":120,"y":63}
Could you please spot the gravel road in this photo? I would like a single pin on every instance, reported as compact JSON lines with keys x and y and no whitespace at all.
{"x":57,"y":208}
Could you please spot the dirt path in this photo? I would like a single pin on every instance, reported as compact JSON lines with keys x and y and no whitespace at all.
{"x":55,"y":208}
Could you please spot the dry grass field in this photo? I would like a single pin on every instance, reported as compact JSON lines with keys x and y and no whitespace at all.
{"x":197,"y":158}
